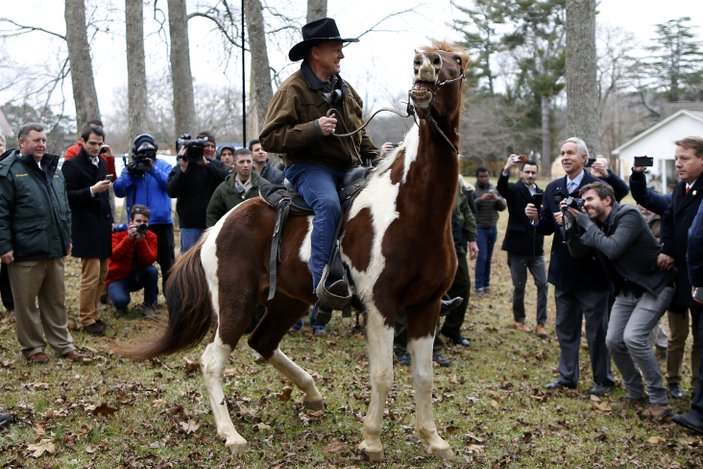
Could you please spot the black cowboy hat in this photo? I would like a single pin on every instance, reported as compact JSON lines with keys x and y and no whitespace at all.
{"x":324,"y":29}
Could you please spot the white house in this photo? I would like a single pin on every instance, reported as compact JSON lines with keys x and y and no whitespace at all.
{"x":658,"y":142}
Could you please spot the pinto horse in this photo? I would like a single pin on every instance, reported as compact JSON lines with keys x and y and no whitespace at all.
{"x":396,"y":243}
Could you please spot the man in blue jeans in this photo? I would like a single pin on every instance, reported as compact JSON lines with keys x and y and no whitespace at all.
{"x":488,"y":204}
{"x":624,"y":243}
{"x":131,"y":266}
{"x":300,"y":123}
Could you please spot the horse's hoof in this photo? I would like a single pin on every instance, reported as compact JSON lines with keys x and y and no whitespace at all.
{"x":374,"y":455}
{"x":236,"y":447}
{"x":314,"y":405}
{"x":444,"y":453}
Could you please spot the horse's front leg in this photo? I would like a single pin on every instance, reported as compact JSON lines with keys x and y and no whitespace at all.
{"x":212,"y":363}
{"x":299,"y":377}
{"x":421,"y":332}
{"x":379,"y":339}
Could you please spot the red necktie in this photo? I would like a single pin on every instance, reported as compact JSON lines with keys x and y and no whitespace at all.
{"x":688,"y":189}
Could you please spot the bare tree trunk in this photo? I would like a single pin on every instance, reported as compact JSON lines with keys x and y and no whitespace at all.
{"x":136,"y":68}
{"x":183,"y":101}
{"x":583,"y":117}
{"x":316,"y":9}
{"x":546,"y":138}
{"x":84,"y":94}
{"x":261,"y":92}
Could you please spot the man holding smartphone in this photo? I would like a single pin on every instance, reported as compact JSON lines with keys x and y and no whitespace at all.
{"x":525,"y":246}
{"x":87,"y":185}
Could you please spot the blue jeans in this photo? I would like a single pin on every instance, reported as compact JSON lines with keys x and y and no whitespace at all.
{"x":486,"y":239}
{"x":190,"y":236}
{"x":147,"y":278}
{"x":317,"y":185}
{"x":518,"y":270}
{"x":631,"y":321}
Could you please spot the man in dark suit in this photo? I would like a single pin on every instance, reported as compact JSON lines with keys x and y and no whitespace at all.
{"x":522,"y":241}
{"x":676,"y":220}
{"x":693,"y":420}
{"x":581,"y":286}
{"x":87,"y":184}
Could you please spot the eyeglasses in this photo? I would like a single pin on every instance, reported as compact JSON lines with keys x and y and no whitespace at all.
{"x":140,"y":210}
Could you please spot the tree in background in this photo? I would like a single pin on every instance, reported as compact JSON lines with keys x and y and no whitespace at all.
{"x":84,"y":94}
{"x":181,"y":76}
{"x":582,"y":115}
{"x":674,"y":68}
{"x":136,"y":69}
{"x":481,"y":39}
{"x":537,"y":46}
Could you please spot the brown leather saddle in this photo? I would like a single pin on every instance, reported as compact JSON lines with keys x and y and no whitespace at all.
{"x":284,"y":199}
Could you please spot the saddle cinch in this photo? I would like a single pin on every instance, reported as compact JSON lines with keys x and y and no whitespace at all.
{"x":283,"y":198}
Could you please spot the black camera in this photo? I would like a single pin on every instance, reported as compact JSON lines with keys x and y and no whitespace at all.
{"x":141,"y":229}
{"x":647,"y":161}
{"x":574,"y":202}
{"x":194,"y":147}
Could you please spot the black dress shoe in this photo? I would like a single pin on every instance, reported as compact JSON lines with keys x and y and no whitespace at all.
{"x":559,"y":384}
{"x":449,"y":305}
{"x":6,"y":419}
{"x":600,"y":390}
{"x":441,"y":361}
{"x":460,"y":340}
{"x":692,"y":420}
{"x":675,"y":391}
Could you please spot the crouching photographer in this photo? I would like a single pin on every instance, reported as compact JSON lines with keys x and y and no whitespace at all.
{"x":193,"y":182}
{"x":629,"y":250}
{"x":131,"y":267}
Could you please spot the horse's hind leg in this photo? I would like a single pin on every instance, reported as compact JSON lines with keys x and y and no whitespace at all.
{"x":420,"y":340}
{"x":213,"y":362}
{"x":281,"y":314}
{"x":379,"y":340}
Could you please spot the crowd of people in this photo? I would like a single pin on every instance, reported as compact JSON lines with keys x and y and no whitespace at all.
{"x":606,"y":265}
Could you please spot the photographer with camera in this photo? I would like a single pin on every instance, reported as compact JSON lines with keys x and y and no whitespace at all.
{"x":238,"y":186}
{"x":131,"y":266}
{"x":522,"y":242}
{"x":626,"y":245}
{"x":87,"y":186}
{"x":145,"y":181}
{"x":193,"y":182}
{"x":581,"y":288}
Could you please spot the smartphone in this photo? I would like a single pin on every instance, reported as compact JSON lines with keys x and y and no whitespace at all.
{"x":103,"y":149}
{"x":589,"y":162}
{"x":537,"y":199}
{"x":108,"y":177}
{"x":644,"y":161}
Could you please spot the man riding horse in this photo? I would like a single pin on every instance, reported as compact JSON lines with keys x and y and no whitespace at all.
{"x":300,"y":123}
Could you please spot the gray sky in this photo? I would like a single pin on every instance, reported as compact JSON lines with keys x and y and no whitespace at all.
{"x":379,"y":66}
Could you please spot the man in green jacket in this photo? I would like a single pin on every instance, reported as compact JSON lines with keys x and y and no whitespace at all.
{"x":241,"y":184}
{"x":35,"y":235}
{"x":300,"y":123}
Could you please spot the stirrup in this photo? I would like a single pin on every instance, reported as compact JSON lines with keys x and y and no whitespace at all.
{"x":336,"y":296}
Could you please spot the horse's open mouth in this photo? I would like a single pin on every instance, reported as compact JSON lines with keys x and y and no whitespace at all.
{"x":421,"y":92}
